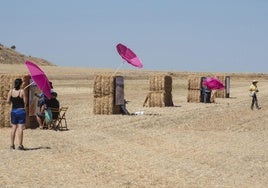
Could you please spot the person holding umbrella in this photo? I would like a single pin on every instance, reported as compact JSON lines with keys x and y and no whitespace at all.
{"x":43,"y":104}
{"x":253,"y":93}
{"x":42,"y":97}
{"x":40,"y":79}
{"x":17,"y":98}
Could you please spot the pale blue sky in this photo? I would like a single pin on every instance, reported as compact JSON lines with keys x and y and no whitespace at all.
{"x":168,"y":35}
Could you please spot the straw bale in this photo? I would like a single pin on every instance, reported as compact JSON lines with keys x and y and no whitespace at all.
{"x":4,"y":114}
{"x":5,"y":86}
{"x":103,"y":85}
{"x":104,"y":95}
{"x":1,"y":87}
{"x":194,"y":83}
{"x":7,"y":83}
{"x":154,"y":99}
{"x":107,"y":85}
{"x":97,"y":85}
{"x":194,"y":88}
{"x":105,"y":105}
{"x":160,"y":83}
{"x":158,"y":99}
{"x":222,"y":93}
{"x":194,"y":95}
{"x":160,"y":91}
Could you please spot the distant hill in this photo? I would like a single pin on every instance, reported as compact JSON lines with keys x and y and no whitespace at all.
{"x":11,"y":56}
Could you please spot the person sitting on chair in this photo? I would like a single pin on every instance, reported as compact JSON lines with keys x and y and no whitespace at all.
{"x":40,"y":116}
{"x":53,"y":103}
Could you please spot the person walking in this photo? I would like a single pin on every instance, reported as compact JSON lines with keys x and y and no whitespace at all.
{"x":253,"y":93}
{"x":17,"y":98}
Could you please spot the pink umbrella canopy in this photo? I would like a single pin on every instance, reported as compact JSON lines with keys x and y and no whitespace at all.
{"x":213,"y":83}
{"x":39,"y":78}
{"x":128,"y":55}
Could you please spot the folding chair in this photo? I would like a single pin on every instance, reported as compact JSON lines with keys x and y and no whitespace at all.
{"x":55,"y":116}
{"x":60,"y":123}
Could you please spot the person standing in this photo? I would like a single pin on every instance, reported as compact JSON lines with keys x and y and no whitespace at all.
{"x":206,"y":94}
{"x":253,"y":93}
{"x":42,"y":97}
{"x":17,"y":98}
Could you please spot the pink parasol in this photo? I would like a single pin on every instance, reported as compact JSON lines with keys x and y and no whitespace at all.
{"x":213,"y":83}
{"x":128,"y":55}
{"x":39,"y":78}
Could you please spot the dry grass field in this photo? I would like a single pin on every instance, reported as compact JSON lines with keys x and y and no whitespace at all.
{"x":224,"y":144}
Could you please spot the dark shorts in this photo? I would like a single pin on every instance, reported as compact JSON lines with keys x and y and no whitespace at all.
{"x":18,"y":116}
{"x":41,"y":115}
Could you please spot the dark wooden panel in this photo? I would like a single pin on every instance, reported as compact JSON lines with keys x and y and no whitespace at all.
{"x":119,"y":90}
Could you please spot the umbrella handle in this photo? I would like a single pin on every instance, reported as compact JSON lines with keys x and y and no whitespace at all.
{"x":29,"y":85}
{"x":120,"y":65}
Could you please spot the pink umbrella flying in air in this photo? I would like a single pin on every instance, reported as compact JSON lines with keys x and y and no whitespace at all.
{"x":128,"y":55}
{"x":213,"y":83}
{"x":39,"y":78}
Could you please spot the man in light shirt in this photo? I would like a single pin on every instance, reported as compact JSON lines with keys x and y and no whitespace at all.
{"x":253,"y":92}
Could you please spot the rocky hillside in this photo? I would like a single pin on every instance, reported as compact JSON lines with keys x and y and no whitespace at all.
{"x":11,"y":56}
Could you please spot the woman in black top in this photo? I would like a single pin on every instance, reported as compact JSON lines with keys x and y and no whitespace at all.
{"x":17,"y":98}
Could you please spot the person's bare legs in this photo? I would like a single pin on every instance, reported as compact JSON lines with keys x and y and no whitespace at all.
{"x":49,"y":126}
{"x":39,"y":120}
{"x":13,"y":134}
{"x":20,"y":133}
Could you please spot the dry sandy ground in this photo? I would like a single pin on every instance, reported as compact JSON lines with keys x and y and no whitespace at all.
{"x":190,"y":145}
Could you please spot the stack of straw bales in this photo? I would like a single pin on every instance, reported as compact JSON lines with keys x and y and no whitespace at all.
{"x":194,"y":89}
{"x":160,"y":93}
{"x":104,"y":95}
{"x":7,"y":83}
{"x":195,"y":86}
